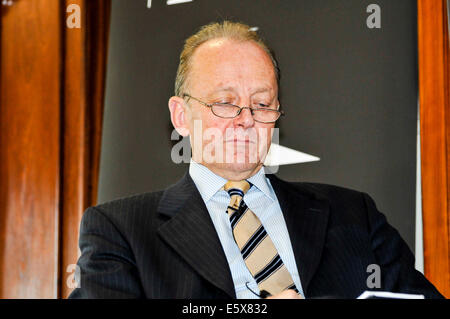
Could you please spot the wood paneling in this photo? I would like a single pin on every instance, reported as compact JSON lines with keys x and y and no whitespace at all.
{"x":85,"y":64}
{"x":52,"y":88}
{"x":74,"y":197}
{"x":434,"y":71}
{"x":30,"y":149}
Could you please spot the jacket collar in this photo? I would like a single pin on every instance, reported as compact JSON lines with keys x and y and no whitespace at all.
{"x":306,"y":214}
{"x":191,"y":233}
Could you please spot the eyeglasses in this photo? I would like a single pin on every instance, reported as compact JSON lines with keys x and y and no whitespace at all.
{"x":263,"y":114}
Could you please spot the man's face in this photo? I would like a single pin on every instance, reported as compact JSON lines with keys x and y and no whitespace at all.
{"x":239,"y":73}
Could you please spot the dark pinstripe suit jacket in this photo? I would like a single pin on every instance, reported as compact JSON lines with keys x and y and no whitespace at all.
{"x":164,"y":245}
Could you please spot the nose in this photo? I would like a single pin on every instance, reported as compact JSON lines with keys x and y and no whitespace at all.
{"x":244,"y":119}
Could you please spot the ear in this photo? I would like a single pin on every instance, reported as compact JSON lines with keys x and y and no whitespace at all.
{"x":178,"y":115}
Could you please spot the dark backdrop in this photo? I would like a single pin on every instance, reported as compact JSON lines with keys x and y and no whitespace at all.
{"x":350,"y":93}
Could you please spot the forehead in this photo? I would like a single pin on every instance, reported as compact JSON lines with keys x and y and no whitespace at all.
{"x":231,"y":64}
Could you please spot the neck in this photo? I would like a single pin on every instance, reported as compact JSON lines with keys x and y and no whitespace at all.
{"x":233,"y":173}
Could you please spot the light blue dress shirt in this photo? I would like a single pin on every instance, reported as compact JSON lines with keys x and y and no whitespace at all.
{"x":261,"y":199}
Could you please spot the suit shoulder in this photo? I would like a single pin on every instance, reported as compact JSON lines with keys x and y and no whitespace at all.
{"x":329,"y":189}
{"x":346,"y":205}
{"x":137,"y":202}
{"x":326,"y":191}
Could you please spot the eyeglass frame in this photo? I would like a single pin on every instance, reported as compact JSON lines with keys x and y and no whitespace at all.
{"x":210,"y":105}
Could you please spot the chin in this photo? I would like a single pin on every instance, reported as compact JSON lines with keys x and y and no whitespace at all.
{"x":240,"y":163}
{"x":237,"y":168}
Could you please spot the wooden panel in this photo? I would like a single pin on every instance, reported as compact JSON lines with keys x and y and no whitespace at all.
{"x":98,"y":21}
{"x":435,"y":143}
{"x":84,"y":64}
{"x":74,"y":197}
{"x":30,"y":149}
{"x":51,"y":103}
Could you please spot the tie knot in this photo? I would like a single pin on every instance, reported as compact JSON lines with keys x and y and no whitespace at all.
{"x":237,"y":187}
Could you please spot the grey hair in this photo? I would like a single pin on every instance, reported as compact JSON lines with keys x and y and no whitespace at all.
{"x":226,"y":29}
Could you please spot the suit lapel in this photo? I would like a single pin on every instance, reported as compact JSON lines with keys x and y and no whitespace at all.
{"x":191,"y":233}
{"x":306,"y":217}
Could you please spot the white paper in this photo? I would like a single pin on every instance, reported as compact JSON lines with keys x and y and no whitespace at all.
{"x":388,"y":295}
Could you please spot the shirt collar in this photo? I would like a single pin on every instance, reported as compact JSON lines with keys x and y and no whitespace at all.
{"x":261,"y":182}
{"x":208,"y":183}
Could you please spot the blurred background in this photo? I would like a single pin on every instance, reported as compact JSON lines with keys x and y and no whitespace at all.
{"x":84,"y":87}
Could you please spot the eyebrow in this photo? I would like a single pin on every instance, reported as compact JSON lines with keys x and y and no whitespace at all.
{"x":232,"y":89}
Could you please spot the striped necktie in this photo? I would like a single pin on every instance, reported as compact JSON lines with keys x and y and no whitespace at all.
{"x":257,"y":249}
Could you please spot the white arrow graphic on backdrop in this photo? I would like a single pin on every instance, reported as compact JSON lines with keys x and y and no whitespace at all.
{"x":169,"y":2}
{"x":282,"y":155}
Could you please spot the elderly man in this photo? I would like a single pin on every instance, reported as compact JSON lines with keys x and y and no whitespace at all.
{"x":226,"y":229}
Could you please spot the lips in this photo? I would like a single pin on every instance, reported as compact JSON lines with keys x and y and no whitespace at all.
{"x":239,"y":136}
{"x":240,"y":141}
